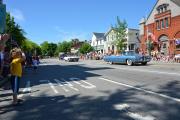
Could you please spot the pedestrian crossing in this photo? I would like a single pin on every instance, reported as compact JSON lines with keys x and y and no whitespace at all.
{"x":72,"y":84}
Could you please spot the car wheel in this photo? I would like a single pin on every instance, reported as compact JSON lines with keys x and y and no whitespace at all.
{"x":111,"y":63}
{"x":129,"y":62}
{"x":144,"y":63}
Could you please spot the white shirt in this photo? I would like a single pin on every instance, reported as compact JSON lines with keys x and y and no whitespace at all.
{"x":35,"y":63}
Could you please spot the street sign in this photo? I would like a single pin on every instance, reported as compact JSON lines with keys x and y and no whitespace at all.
{"x":2,"y":18}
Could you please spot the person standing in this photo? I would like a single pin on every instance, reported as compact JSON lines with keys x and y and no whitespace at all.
{"x":35,"y":63}
{"x":16,"y":72}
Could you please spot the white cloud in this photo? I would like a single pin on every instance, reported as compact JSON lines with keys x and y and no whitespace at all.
{"x":64,"y":35}
{"x":18,"y":15}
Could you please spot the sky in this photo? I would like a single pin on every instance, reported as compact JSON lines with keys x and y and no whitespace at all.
{"x":59,"y":20}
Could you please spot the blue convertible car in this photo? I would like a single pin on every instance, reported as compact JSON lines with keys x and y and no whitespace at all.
{"x":128,"y":58}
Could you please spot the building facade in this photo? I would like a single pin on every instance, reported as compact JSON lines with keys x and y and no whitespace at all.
{"x":131,"y":43}
{"x":2,"y":17}
{"x":97,"y":42}
{"x":162,"y":28}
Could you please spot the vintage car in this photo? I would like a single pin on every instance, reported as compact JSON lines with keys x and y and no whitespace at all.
{"x":71,"y":58}
{"x":129,"y":58}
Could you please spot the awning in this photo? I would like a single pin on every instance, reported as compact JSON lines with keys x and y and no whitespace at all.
{"x":177,"y":41}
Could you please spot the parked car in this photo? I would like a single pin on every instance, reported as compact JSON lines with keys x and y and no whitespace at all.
{"x":62,"y":55}
{"x":129,"y":58}
{"x":71,"y":58}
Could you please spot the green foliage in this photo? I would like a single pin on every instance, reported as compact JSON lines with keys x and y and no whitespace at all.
{"x":31,"y":47}
{"x":16,"y":32}
{"x":120,"y":29}
{"x":86,"y":48}
{"x":64,"y":47}
{"x":48,"y":49}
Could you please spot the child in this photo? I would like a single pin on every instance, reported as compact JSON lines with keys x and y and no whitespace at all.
{"x":16,"y":72}
{"x":35,"y":64}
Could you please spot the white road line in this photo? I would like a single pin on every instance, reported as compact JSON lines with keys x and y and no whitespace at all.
{"x":63,"y":87}
{"x":151,"y":71}
{"x":26,"y":89}
{"x":140,"y":89}
{"x":69,"y":84}
{"x":135,"y":116}
{"x":52,"y":86}
{"x":90,"y":86}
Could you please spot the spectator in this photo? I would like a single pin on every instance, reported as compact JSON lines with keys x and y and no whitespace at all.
{"x":16,"y":73}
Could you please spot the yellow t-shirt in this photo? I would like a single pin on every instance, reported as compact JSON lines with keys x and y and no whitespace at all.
{"x":16,"y":67}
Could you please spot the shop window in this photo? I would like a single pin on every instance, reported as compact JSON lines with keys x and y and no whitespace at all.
{"x":178,"y":46}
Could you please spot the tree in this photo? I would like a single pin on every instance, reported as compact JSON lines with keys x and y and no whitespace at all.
{"x":120,"y":29}
{"x":48,"y":49}
{"x":52,"y":49}
{"x":64,"y":47}
{"x":86,"y":48}
{"x":44,"y":47}
{"x":31,"y":47}
{"x":15,"y":31}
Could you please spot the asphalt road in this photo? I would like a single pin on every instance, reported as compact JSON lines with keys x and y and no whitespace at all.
{"x":94,"y":90}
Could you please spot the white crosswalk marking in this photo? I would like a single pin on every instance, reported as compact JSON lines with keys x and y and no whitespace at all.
{"x":88,"y":86}
{"x":63,"y":87}
{"x":52,"y":86}
{"x":69,"y":84}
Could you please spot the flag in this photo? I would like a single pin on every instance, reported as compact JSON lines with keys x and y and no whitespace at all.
{"x":153,"y":37}
{"x":177,"y":42}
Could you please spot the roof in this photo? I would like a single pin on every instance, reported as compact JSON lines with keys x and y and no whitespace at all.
{"x":175,"y":1}
{"x":109,"y":31}
{"x":99,"y":35}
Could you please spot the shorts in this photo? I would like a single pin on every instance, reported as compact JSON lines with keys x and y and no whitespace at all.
{"x":15,"y":83}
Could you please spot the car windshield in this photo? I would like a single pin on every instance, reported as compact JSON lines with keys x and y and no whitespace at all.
{"x":129,"y":53}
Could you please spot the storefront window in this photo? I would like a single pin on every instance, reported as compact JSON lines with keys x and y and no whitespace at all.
{"x":177,"y":46}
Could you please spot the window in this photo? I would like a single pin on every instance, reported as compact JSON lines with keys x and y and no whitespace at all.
{"x":162,"y":23}
{"x":165,"y":8}
{"x":161,"y":9}
{"x":167,"y":22}
{"x":178,"y":46}
{"x":157,"y":25}
{"x":164,"y":45}
{"x":131,"y":46}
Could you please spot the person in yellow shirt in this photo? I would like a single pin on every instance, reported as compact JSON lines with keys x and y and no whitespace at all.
{"x":16,"y":72}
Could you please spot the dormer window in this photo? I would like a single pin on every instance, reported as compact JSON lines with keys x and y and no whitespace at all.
{"x":162,"y":8}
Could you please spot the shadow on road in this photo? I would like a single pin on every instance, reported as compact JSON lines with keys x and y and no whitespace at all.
{"x":77,"y":107}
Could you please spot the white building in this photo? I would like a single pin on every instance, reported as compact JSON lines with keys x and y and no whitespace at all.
{"x":132,"y":42}
{"x":97,"y":42}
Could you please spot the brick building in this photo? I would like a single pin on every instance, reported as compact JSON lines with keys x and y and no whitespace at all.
{"x":162,"y":28}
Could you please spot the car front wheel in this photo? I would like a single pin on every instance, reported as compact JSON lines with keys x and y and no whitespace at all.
{"x":129,"y":62}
